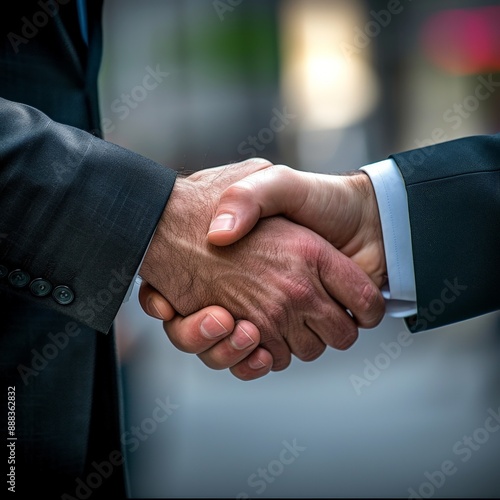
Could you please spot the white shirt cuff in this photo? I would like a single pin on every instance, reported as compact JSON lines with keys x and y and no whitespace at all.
{"x":137,"y":279}
{"x":390,"y":191}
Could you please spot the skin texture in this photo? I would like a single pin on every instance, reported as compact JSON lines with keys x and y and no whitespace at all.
{"x":341,"y":208}
{"x":300,"y":292}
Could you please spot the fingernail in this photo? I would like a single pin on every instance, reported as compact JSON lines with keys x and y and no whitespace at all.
{"x":255,"y":364}
{"x":240,"y":339}
{"x":223,"y":222}
{"x":211,"y":328}
{"x":153,"y":309}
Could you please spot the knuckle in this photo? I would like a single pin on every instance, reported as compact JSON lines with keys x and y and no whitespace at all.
{"x":213,"y":364}
{"x":301,"y":292}
{"x":310,"y":248}
{"x":235,"y":192}
{"x":179,"y":344}
{"x":216,"y":364}
{"x":278,"y":316}
{"x":281,"y":364}
{"x":183,"y":340}
{"x":258,"y":160}
{"x":243,"y":374}
{"x":281,"y":355}
{"x":347,"y":339}
{"x":370,"y":305}
{"x":312,"y":353}
{"x":279,"y":171}
{"x":345,"y":332}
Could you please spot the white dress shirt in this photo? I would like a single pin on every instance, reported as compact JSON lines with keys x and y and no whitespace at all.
{"x":390,"y":191}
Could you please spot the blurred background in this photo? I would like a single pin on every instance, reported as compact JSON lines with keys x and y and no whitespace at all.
{"x":325,"y":86}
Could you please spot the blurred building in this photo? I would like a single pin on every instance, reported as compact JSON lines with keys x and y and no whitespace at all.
{"x":326,"y":86}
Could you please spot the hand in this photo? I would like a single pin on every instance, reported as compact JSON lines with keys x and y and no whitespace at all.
{"x":300,"y":292}
{"x":341,"y":208}
{"x":211,"y":334}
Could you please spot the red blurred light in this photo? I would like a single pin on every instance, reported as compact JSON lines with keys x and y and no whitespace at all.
{"x":463,"y":41}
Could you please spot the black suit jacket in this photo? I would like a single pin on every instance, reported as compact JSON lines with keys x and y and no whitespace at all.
{"x":453,"y":193}
{"x":77,"y":214}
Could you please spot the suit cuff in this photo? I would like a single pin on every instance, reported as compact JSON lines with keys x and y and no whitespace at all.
{"x":390,"y":191}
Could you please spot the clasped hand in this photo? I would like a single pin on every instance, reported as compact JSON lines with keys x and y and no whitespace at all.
{"x":293,"y":262}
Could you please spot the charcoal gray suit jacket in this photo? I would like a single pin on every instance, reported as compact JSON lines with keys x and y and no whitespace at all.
{"x":77,"y":214}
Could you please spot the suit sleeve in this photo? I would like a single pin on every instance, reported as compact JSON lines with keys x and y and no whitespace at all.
{"x":453,"y":193}
{"x":77,"y":214}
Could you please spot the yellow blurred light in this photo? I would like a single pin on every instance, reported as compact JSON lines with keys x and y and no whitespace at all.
{"x":328,"y":87}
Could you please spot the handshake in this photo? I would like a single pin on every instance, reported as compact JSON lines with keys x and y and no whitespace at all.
{"x":253,"y":262}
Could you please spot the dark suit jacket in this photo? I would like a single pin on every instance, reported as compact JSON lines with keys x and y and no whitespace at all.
{"x":453,"y":193}
{"x":77,"y":214}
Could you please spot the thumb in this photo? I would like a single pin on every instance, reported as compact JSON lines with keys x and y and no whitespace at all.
{"x":275,"y":190}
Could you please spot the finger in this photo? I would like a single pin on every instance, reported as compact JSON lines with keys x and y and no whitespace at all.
{"x":231,"y":172}
{"x":232,"y":349}
{"x":282,"y":357}
{"x":254,"y":366}
{"x":351,"y":287}
{"x":305,"y":342}
{"x":275,"y":190}
{"x":336,"y":327}
{"x":199,"y":331}
{"x":154,"y":304}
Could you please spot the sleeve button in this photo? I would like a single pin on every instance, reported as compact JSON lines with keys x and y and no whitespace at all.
{"x":40,"y":287}
{"x":63,"y":295}
{"x":19,"y":278}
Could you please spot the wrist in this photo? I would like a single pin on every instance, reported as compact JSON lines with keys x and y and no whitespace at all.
{"x":372,"y":257}
{"x":178,"y":239}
